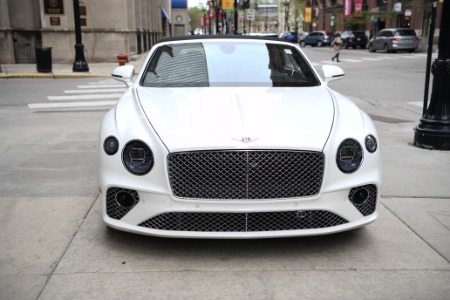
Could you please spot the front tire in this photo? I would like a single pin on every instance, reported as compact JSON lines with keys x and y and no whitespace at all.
{"x":302,"y":44}
{"x":371,"y":48}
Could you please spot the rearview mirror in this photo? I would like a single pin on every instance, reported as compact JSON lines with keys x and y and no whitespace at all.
{"x":124,"y":74}
{"x":331,"y":73}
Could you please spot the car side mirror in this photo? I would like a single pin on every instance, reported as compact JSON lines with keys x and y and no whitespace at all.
{"x":124,"y":74}
{"x":331,"y":73}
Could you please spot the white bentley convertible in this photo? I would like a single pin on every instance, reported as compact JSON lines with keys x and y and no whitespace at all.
{"x":236,"y":137}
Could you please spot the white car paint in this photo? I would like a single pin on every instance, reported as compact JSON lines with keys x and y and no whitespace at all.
{"x":172,"y":120}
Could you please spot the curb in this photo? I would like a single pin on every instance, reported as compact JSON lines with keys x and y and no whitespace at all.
{"x":51,"y":75}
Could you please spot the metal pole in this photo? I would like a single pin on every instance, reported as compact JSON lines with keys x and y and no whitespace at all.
{"x":235,"y":17}
{"x":433,"y":132}
{"x":429,"y":54}
{"x":80,"y":64}
{"x":243,"y":19}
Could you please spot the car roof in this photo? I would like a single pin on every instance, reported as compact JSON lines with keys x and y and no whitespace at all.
{"x":393,"y":29}
{"x":220,"y":37}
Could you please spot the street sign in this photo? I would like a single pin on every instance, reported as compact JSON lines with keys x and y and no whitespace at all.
{"x":251,"y":14}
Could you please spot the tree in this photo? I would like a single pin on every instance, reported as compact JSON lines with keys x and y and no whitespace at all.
{"x":195,"y":15}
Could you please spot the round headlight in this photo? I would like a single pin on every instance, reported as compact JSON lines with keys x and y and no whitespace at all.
{"x":137,"y":158}
{"x":111,"y":145}
{"x":349,"y":156}
{"x":371,"y":143}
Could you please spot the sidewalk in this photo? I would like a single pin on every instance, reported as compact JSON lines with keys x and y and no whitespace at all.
{"x":65,"y":70}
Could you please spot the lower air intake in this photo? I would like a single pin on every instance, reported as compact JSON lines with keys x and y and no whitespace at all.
{"x":369,"y":205}
{"x":120,"y":201}
{"x":243,"y":222}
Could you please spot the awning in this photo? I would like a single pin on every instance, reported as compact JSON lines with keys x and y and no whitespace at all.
{"x":164,"y":15}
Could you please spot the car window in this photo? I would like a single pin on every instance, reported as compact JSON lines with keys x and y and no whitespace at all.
{"x":405,"y":32}
{"x":182,"y":65}
{"x":228,"y":64}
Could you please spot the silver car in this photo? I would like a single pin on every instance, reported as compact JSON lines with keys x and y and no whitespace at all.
{"x":393,"y":39}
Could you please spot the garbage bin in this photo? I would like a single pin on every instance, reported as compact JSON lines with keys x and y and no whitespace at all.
{"x":44,"y":59}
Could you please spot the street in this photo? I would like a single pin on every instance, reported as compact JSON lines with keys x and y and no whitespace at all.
{"x":54,"y":244}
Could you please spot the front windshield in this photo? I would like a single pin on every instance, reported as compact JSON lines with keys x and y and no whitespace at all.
{"x":229,"y":64}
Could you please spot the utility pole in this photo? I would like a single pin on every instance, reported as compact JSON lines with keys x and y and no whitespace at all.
{"x":433,"y":132}
{"x":80,"y":64}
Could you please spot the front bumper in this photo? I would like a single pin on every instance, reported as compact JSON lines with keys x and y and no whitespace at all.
{"x":162,"y":215}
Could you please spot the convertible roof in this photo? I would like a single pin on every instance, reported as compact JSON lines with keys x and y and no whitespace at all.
{"x":223,"y":37}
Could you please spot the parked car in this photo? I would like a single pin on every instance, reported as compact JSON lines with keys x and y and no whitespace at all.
{"x":235,"y":137}
{"x":303,"y":35}
{"x":317,"y":38}
{"x":354,"y":39}
{"x":393,"y":39}
{"x":291,"y":36}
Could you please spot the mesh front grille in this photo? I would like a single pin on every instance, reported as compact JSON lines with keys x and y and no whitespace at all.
{"x":243,"y":222}
{"x":245,"y":174}
{"x":369,"y":206}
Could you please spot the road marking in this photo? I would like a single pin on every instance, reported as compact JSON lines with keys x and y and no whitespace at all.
{"x":351,"y":60}
{"x":418,"y":103}
{"x":86,"y":91}
{"x":83,"y":97}
{"x":99,"y":86}
{"x":370,"y":59}
{"x":71,"y":104}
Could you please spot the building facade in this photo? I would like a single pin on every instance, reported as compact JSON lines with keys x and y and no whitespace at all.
{"x":109,"y":27}
{"x":369,"y":15}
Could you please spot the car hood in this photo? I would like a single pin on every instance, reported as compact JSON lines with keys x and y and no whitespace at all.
{"x":239,"y":118}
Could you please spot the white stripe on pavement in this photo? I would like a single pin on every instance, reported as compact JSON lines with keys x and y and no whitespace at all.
{"x":351,"y":60}
{"x":71,"y":104}
{"x":86,"y":91}
{"x":418,"y":103}
{"x":83,"y":97}
{"x":101,"y":86}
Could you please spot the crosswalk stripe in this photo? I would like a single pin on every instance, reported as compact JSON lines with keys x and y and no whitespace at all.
{"x":418,"y":103}
{"x":351,"y":60}
{"x":83,"y":97}
{"x":71,"y":104}
{"x":95,"y":91}
{"x":98,"y":86}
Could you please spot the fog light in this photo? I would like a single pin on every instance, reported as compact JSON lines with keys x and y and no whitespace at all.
{"x":124,"y":199}
{"x":359,"y":196}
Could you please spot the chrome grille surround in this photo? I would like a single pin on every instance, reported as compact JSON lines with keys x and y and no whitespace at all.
{"x":369,"y":206}
{"x":243,"y":222}
{"x":245,"y":174}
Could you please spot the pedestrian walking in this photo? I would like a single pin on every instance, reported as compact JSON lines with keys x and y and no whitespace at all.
{"x":337,"y":45}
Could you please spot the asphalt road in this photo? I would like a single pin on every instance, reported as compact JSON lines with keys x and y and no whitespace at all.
{"x":53,"y":244}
